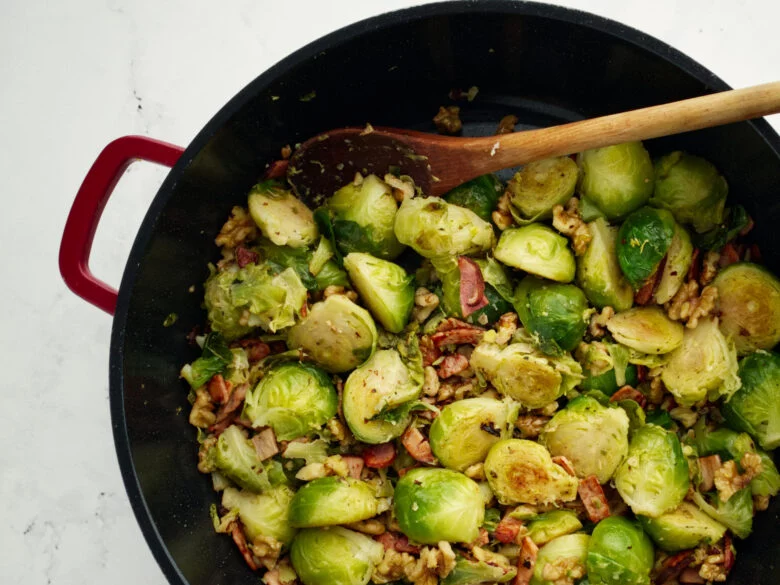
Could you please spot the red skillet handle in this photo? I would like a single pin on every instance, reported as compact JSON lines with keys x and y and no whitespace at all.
{"x":88,"y":206}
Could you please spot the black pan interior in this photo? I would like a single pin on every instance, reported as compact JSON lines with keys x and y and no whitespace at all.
{"x":546,"y":65}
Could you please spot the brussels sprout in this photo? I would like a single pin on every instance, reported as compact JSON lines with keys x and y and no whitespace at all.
{"x":726,"y":443}
{"x":468,"y":572}
{"x":434,"y":504}
{"x":691,"y":188}
{"x":643,"y":241}
{"x":522,"y":472}
{"x":616,"y":179}
{"x":766,"y":483}
{"x":237,"y":459}
{"x":281,"y":216}
{"x":215,"y":359}
{"x":480,"y":195}
{"x":539,"y":186}
{"x":552,"y":525}
{"x":292,"y":398}
{"x":646,"y":329}
{"x":465,"y":430}
{"x":598,"y":271}
{"x":749,"y":301}
{"x":683,"y":528}
{"x":736,"y":513}
{"x":524,"y":374}
{"x":337,"y":334}
{"x":755,"y":407}
{"x":265,"y":514}
{"x":433,"y":227}
{"x":678,"y":261}
{"x":364,"y":218}
{"x":606,"y":367}
{"x":384,"y":383}
{"x":653,"y":478}
{"x":385,"y":288}
{"x":240,"y":299}
{"x":704,"y":365}
{"x":455,"y":301}
{"x":593,"y":437}
{"x":334,"y":556}
{"x":606,"y":382}
{"x":735,"y":220}
{"x":557,"y":313}
{"x":619,"y":553}
{"x":537,"y":249}
{"x":332,"y":500}
{"x":562,"y":549}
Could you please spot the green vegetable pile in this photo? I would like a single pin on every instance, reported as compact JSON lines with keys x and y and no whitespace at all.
{"x":565,"y":379}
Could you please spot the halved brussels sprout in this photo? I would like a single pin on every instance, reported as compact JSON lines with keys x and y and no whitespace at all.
{"x":557,"y":313}
{"x":525,"y":374}
{"x":281,"y":216}
{"x":468,"y":572}
{"x":755,"y":407}
{"x":593,"y":437}
{"x":571,"y":550}
{"x":465,"y":430}
{"x":606,"y":367}
{"x":293,"y":398}
{"x":705,"y":364}
{"x":736,"y":513}
{"x":375,"y":391}
{"x":619,"y":553}
{"x":539,"y":186}
{"x":646,"y":329}
{"x":455,"y":300}
{"x":653,"y":479}
{"x":334,"y":556}
{"x":678,"y":261}
{"x":236,"y":458}
{"x":480,"y":195}
{"x":598,"y":271}
{"x":616,"y":179}
{"x":433,"y":227}
{"x":691,"y":188}
{"x":522,"y":472}
{"x":385,"y":288}
{"x":434,"y":504}
{"x":643,"y":241}
{"x":537,"y":249}
{"x":332,"y":500}
{"x":364,"y":218}
{"x":683,"y":528}
{"x":265,"y":514}
{"x":338,"y":334}
{"x":749,"y":301}
{"x":552,"y":525}
{"x":241,"y":299}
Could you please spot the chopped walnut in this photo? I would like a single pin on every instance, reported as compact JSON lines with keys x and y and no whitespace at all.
{"x":531,"y":425}
{"x":687,"y":306}
{"x":569,"y":222}
{"x":392,"y":567}
{"x":598,"y":322}
{"x":760,"y":503}
{"x":373,"y":527}
{"x":202,"y":413}
{"x":476,"y":471}
{"x":502,"y":217}
{"x":335,"y":289}
{"x":507,"y":124}
{"x":507,"y":325}
{"x":433,"y":563}
{"x":239,"y":228}
{"x":564,"y":571}
{"x":425,"y":303}
{"x":266,"y":549}
{"x":333,"y":465}
{"x":454,"y":390}
{"x":657,"y":388}
{"x":729,"y":481}
{"x":431,"y":381}
{"x":685,"y":415}
{"x":714,"y":569}
{"x":448,"y":120}
{"x":548,"y":409}
{"x":401,"y":189}
{"x":709,"y":267}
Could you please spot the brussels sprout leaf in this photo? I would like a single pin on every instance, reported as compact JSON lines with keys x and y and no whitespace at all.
{"x":737,"y":219}
{"x":492,"y":518}
{"x":401,"y":413}
{"x":325,"y":225}
{"x":278,"y":258}
{"x":214,"y":360}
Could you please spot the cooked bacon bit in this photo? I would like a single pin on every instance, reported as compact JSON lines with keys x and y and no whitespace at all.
{"x":508,"y":529}
{"x":219,"y":389}
{"x":430,"y":352}
{"x":629,"y":393}
{"x":256,"y":350}
{"x":693,"y":270}
{"x":507,"y":125}
{"x":728,"y":255}
{"x":277,"y":347}
{"x":453,"y":364}
{"x":526,"y":562}
{"x":472,"y":286}
{"x":418,"y":446}
{"x":228,"y":412}
{"x":728,"y":551}
{"x":645,"y":294}
{"x":673,"y":566}
{"x":565,"y":463}
{"x":691,"y":577}
{"x":471,"y":336}
{"x":276,"y":170}
{"x":245,"y":256}
{"x":354,"y":465}
{"x":448,"y":120}
{"x":397,"y":542}
{"x":304,"y":309}
{"x":240,"y":539}
{"x":708,"y":466}
{"x":379,"y":456}
{"x":265,"y":444}
{"x":641,"y":373}
{"x":592,"y":496}
{"x":482,"y":539}
{"x":452,"y":323}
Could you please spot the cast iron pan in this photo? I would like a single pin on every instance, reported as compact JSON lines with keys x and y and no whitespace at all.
{"x":545,"y":64}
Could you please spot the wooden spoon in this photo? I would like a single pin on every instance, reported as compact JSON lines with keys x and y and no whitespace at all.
{"x":438,"y":163}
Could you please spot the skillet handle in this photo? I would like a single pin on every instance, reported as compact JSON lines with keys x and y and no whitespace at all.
{"x":88,"y":206}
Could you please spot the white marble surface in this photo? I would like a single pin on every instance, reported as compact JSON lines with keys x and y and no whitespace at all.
{"x":76,"y":75}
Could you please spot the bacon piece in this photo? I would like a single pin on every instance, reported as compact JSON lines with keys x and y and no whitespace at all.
{"x":265,"y":444}
{"x":457,"y":337}
{"x":354,"y":465}
{"x":430,"y":353}
{"x":452,"y":323}
{"x":592,"y":496}
{"x":728,"y":255}
{"x":673,"y":566}
{"x":708,"y":466}
{"x":645,"y":294}
{"x":397,"y":542}
{"x":276,"y":170}
{"x":418,"y":446}
{"x":379,"y":456}
{"x":219,"y":389}
{"x":565,"y":463}
{"x":229,"y":411}
{"x":691,"y":577}
{"x":472,"y":286}
{"x":629,"y":393}
{"x":526,"y":562}
{"x":255,"y":349}
{"x":482,"y":539}
{"x":641,"y":373}
{"x":508,"y":529}
{"x":245,"y":256}
{"x":240,"y":539}
{"x":695,"y":269}
{"x":453,"y":364}
{"x":728,"y":554}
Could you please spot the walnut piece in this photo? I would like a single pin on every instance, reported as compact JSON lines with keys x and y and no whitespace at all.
{"x":729,"y":481}
{"x":531,"y":425}
{"x":202,"y":413}
{"x":709,"y":267}
{"x":431,"y":381}
{"x":433,"y":563}
{"x":598,"y":322}
{"x":502,"y":217}
{"x":425,"y":303}
{"x":688,"y":306}
{"x":507,"y":325}
{"x":267,"y":550}
{"x":401,"y":189}
{"x":507,"y":124}
{"x":239,"y":228}
{"x":568,"y":221}
{"x":448,"y":120}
